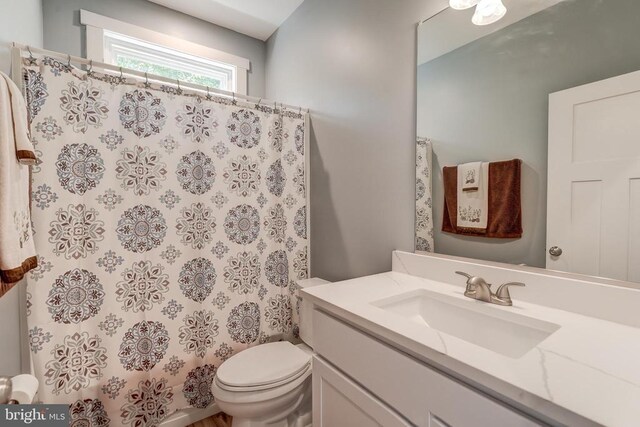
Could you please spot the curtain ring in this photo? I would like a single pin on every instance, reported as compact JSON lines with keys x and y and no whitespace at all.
{"x":300,"y":111}
{"x":90,"y":66}
{"x":234,"y":97}
{"x":208,"y":94}
{"x":32,"y":59}
{"x":259,"y":101}
{"x":120,"y":72}
{"x":178,"y":81}
{"x":69,"y":61}
{"x":146,"y":80}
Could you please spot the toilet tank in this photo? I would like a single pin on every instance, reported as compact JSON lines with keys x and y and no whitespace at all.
{"x":306,"y":310}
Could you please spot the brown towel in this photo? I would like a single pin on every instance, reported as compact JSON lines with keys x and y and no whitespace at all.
{"x":505,"y":212}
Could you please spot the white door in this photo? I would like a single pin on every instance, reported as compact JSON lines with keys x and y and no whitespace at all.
{"x":593,"y":212}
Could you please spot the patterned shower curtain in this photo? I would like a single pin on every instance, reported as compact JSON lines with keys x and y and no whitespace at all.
{"x":170,"y":228}
{"x":424,"y":201}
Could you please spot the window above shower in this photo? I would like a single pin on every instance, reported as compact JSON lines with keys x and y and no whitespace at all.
{"x":136,"y":48}
{"x":128,"y":52}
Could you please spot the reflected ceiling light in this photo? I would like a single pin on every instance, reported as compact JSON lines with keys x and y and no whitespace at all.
{"x":462,"y":4}
{"x":488,"y":12}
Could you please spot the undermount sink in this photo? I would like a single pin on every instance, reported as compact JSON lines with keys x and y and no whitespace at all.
{"x":501,"y":331}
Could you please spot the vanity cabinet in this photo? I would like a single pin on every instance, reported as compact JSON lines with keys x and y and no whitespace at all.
{"x":360,"y":381}
{"x":338,"y":401}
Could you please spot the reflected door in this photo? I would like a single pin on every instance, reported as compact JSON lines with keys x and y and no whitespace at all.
{"x":593,"y":200}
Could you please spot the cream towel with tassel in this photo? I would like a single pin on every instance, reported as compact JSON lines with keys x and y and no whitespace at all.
{"x":470,"y":174}
{"x":473,"y":206}
{"x":17,"y":250}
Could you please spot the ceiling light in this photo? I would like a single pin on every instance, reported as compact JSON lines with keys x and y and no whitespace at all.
{"x":488,"y":12}
{"x":462,"y":4}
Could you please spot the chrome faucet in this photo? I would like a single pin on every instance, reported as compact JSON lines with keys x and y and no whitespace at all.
{"x":479,"y":289}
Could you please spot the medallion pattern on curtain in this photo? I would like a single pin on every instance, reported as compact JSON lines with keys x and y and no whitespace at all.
{"x":424,"y":202}
{"x":171,"y":229}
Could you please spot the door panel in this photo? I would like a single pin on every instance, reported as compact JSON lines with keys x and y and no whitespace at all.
{"x":611,"y":121}
{"x":594,"y":167}
{"x":634,"y":231}
{"x":586,"y":199}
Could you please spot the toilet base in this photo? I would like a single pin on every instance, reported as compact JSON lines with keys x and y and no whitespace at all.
{"x":290,"y":410}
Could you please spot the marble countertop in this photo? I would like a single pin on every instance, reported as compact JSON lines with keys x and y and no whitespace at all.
{"x":585,"y":373}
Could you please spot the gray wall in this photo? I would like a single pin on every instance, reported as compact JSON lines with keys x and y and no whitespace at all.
{"x":19,"y":24}
{"x":63,"y":32}
{"x":489,"y":101}
{"x":22,"y":25}
{"x":353,"y":63}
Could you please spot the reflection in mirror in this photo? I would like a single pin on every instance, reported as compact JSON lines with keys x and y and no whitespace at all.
{"x":556,"y":85}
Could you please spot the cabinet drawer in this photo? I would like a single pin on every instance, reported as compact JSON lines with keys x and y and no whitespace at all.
{"x":415,"y":390}
{"x":339,"y":402}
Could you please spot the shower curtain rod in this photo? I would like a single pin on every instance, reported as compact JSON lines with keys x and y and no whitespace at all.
{"x":28,"y":50}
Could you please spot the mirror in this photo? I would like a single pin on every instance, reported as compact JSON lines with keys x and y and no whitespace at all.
{"x":532,"y":86}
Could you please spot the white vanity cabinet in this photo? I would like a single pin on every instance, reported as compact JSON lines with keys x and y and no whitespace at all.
{"x":358,"y":381}
{"x":338,"y":401}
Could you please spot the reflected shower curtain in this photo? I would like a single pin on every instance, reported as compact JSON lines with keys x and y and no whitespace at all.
{"x":170,"y":228}
{"x":424,"y":201}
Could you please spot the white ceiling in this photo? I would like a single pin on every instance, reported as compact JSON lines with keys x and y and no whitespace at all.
{"x":256,"y":18}
{"x":451,"y":29}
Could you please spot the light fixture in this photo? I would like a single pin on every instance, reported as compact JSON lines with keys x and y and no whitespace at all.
{"x":462,"y":4}
{"x":488,"y":12}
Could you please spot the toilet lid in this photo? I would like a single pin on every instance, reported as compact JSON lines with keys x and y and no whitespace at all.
{"x":266,"y":364}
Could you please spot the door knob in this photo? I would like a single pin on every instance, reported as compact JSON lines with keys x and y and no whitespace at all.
{"x":555,"y":251}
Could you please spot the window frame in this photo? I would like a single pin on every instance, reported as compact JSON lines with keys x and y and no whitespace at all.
{"x":97,"y":25}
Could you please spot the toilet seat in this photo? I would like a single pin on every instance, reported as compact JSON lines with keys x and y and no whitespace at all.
{"x":262,"y":387}
{"x":263,"y":367}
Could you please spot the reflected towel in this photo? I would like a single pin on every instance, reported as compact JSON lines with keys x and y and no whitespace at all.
{"x":504,"y":212}
{"x":470,"y":176}
{"x":17,"y":250}
{"x":473,"y":198}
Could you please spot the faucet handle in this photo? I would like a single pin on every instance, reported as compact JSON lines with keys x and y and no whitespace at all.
{"x":503,"y":291}
{"x":462,"y":273}
{"x":473,"y":281}
{"x":477,"y":287}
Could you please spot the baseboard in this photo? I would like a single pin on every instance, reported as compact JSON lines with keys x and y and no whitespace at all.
{"x":189,"y":416}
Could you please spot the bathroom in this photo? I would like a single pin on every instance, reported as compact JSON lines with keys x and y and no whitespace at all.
{"x":299,"y":165}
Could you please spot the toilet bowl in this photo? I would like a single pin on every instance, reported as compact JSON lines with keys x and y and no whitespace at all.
{"x":269,"y":385}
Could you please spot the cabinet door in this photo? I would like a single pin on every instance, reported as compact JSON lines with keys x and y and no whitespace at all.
{"x":339,"y":402}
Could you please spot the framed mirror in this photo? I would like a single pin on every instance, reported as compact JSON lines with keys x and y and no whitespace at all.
{"x":554,"y":84}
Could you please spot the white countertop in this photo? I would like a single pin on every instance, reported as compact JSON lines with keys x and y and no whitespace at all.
{"x":587,"y":372}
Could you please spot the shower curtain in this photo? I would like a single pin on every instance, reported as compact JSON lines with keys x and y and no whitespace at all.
{"x":424,"y":201}
{"x":171,"y":229}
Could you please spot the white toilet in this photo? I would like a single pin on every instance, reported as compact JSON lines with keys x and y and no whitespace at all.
{"x":270,"y":384}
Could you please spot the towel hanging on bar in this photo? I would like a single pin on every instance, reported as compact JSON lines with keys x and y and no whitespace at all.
{"x":470,"y":175}
{"x":17,"y":250}
{"x":504,"y":211}
{"x":473,"y":197}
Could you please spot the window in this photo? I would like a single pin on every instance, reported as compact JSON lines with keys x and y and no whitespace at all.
{"x":128,"y":52}
{"x":128,"y":46}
